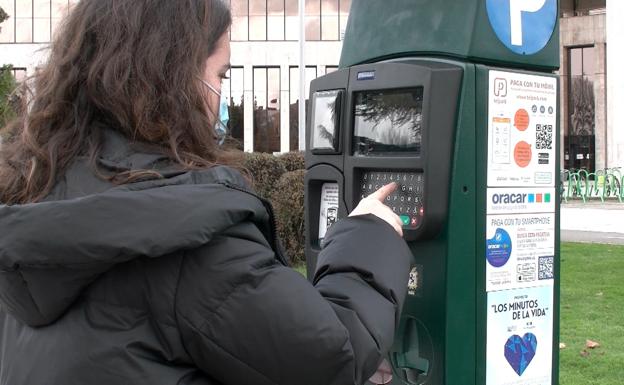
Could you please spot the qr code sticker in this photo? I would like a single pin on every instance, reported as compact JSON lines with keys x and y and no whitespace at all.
{"x":543,"y":136}
{"x":546,"y":268}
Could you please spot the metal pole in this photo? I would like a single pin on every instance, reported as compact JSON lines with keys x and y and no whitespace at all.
{"x":302,"y":83}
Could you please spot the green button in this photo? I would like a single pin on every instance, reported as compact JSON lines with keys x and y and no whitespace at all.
{"x":405,"y":219}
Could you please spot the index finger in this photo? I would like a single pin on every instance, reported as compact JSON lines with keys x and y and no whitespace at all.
{"x":383,"y":192}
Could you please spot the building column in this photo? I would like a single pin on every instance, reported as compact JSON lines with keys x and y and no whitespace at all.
{"x":284,"y":108}
{"x":564,"y":81}
{"x":615,"y":85}
{"x":600,"y":106}
{"x":249,"y":107}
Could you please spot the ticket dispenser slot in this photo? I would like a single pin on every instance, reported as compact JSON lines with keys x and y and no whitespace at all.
{"x":326,"y":184}
{"x":413,"y":355}
{"x":390,"y":121}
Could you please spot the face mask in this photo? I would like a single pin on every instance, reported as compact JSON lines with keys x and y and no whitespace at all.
{"x":224,"y":114}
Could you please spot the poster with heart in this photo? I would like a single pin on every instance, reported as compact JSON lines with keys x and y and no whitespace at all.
{"x":520,"y":336}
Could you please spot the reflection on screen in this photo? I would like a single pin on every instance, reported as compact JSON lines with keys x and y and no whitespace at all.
{"x":325,"y":119}
{"x":388,"y":121}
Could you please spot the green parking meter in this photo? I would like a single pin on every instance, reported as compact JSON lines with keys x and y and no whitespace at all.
{"x":456,"y":101}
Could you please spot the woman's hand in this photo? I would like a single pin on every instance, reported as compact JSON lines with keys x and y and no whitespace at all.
{"x":373,"y":204}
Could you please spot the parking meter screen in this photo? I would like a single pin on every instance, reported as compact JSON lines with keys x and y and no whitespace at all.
{"x":325,"y":120}
{"x":388,"y":121}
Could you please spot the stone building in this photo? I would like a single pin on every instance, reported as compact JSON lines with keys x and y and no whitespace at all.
{"x":592,"y":130}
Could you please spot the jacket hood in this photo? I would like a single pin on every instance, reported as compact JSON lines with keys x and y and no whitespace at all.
{"x":50,"y":251}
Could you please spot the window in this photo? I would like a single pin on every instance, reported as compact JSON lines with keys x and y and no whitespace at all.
{"x":330,"y":29}
{"x":240,"y":20}
{"x":275,"y":19}
{"x":292,"y":20}
{"x":23,"y":22}
{"x":32,"y":21}
{"x":7,"y":34}
{"x":36,"y":21}
{"x":570,"y":8}
{"x":59,"y":10}
{"x":234,"y":90}
{"x":257,"y":19}
{"x":42,"y":19}
{"x":266,"y":115}
{"x":330,"y":69}
{"x":19,"y":74}
{"x":310,"y":75}
{"x":278,"y":20}
{"x":313,"y":19}
{"x":579,"y":135}
{"x":345,"y":7}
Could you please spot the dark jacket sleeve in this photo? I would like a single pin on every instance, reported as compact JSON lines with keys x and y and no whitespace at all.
{"x":245,"y":319}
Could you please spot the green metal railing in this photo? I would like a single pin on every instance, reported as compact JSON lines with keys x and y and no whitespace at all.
{"x":604,"y":184}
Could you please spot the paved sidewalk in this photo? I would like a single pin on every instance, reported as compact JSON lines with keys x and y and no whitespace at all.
{"x":592,"y":222}
{"x":592,"y":237}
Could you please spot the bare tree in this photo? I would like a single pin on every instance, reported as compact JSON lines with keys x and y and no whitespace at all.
{"x":3,"y":16}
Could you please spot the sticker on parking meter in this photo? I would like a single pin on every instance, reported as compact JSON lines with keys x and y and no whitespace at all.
{"x":520,"y":337}
{"x":328,"y":214}
{"x":523,"y":26}
{"x":520,"y":251}
{"x":498,"y":249}
{"x":516,"y":201}
{"x":522,"y":119}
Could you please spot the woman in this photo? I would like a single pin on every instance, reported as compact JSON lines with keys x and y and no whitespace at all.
{"x":130,"y":252}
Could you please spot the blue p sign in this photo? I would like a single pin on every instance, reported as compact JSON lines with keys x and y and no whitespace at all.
{"x":523,"y":26}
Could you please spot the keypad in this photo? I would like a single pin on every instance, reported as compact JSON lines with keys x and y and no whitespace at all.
{"x":406,"y":201}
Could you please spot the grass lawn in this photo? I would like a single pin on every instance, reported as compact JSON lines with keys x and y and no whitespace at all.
{"x":592,"y":307}
{"x":301,"y":268}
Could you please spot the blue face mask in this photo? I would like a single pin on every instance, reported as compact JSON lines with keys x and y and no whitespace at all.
{"x":224,"y":114}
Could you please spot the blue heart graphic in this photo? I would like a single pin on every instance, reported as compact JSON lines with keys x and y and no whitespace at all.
{"x":520,"y":351}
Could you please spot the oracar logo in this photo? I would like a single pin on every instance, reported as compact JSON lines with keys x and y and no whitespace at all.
{"x":518,"y":198}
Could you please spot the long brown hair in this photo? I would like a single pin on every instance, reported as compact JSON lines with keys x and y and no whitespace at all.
{"x":132,"y":63}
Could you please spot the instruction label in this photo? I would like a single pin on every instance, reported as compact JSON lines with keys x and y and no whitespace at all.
{"x":520,"y":251}
{"x":328,"y":215}
{"x":520,"y":337}
{"x":520,"y":229}
{"x":522,"y":119}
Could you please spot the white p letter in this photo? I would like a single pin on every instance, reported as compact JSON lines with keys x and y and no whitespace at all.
{"x":516,"y":7}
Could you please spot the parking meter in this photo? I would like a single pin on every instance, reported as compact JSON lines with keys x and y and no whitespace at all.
{"x":457,"y":103}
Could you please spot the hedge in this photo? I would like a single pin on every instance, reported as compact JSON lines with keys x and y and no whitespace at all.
{"x":7,"y":87}
{"x":293,"y":160}
{"x":265,"y":170}
{"x":287,"y":200}
{"x":280,"y":179}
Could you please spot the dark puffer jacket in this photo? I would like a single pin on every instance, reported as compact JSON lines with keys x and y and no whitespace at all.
{"x":177,"y":281}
